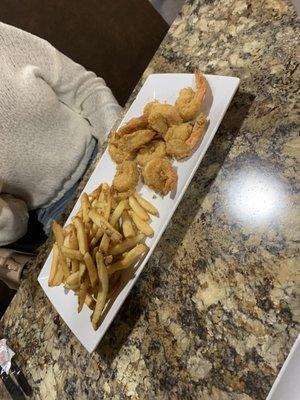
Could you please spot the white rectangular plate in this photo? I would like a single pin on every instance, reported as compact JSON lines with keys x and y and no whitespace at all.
{"x":163,"y":87}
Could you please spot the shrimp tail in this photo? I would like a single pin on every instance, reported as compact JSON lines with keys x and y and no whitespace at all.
{"x":197,"y":132}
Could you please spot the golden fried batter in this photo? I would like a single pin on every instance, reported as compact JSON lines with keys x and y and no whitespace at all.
{"x":189,"y":102}
{"x":159,"y":175}
{"x":154,"y":149}
{"x":162,"y":116}
{"x":126,"y":177}
{"x":181,"y":139}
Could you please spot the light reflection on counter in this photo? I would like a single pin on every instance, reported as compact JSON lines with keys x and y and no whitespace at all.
{"x":256,"y":197}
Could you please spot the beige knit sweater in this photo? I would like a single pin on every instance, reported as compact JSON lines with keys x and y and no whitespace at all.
{"x":49,"y":109}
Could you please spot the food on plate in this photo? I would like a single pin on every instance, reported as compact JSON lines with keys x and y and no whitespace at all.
{"x":126,"y":177}
{"x":154,"y":149}
{"x":133,"y":125}
{"x":135,"y":140}
{"x":159,"y":175}
{"x":135,"y":206}
{"x":189,"y":102}
{"x":127,"y":227}
{"x":182,"y":139}
{"x":162,"y":116}
{"x":146,"y":205}
{"x":105,"y":237}
{"x":117,"y":151}
{"x":163,"y":131}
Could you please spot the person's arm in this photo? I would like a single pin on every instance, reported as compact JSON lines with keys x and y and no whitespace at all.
{"x":79,"y":89}
{"x":13,"y":219}
{"x":86,"y":94}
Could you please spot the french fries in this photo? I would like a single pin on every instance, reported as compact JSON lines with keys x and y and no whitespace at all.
{"x":81,"y":235}
{"x":102,"y":294}
{"x":126,"y":244}
{"x":131,"y":257}
{"x":91,"y":269}
{"x":141,"y":225}
{"x":105,"y":237}
{"x":54,"y":264}
{"x":85,"y":204}
{"x":128,"y":230}
{"x":146,"y":205}
{"x":105,"y":225}
{"x":70,"y":253}
{"x":140,"y":212}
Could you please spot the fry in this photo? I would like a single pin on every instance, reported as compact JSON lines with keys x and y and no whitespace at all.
{"x":95,"y":193}
{"x":127,"y":227}
{"x":89,"y":301}
{"x":97,"y":237}
{"x":108,"y":259}
{"x":102,"y":294}
{"x":58,"y":233}
{"x":72,"y":254}
{"x":141,"y":225}
{"x":127,"y":244}
{"x":117,"y":212}
{"x":54,"y":265}
{"x":74,"y":265}
{"x":92,"y":270}
{"x":85,"y":204}
{"x":73,"y":280}
{"x":102,"y":223}
{"x":82,"y":294}
{"x":140,"y":212}
{"x":64,"y":265}
{"x":104,"y":244}
{"x":59,"y":276}
{"x":131,"y":257}
{"x":73,"y":241}
{"x":82,"y":269}
{"x":79,"y":214}
{"x":81,"y":236}
{"x":146,"y":205}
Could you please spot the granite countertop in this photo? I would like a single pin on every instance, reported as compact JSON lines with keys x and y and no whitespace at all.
{"x":216,"y":310}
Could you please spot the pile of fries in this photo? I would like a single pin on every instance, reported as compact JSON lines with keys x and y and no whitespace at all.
{"x":105,"y":237}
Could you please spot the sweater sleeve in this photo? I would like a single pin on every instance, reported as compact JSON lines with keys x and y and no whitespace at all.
{"x":13,"y":219}
{"x":79,"y":89}
{"x":86,"y":94}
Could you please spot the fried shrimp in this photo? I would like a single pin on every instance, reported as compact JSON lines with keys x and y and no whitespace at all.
{"x":117,"y":151}
{"x":159,"y":175}
{"x":126,"y":177}
{"x":181,"y":139}
{"x":134,"y":141}
{"x":197,"y":132}
{"x":154,"y":149}
{"x":189,"y":101}
{"x":161,"y":116}
{"x":133,"y":125}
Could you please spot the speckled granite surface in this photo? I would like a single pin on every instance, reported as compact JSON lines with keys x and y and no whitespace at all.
{"x":216,"y":310}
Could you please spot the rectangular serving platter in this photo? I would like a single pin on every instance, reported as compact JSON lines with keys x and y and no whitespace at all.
{"x":165,"y":88}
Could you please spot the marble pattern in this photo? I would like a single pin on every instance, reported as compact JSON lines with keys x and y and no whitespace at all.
{"x":216,"y":310}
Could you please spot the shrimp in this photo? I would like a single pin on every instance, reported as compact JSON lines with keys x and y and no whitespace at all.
{"x":162,"y":116}
{"x":181,"y":139}
{"x":189,"y":101}
{"x":155,"y":149}
{"x":159,"y":175}
{"x":134,"y":141}
{"x":197,"y":132}
{"x":133,"y":125}
{"x":126,"y":177}
{"x":117,"y":151}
